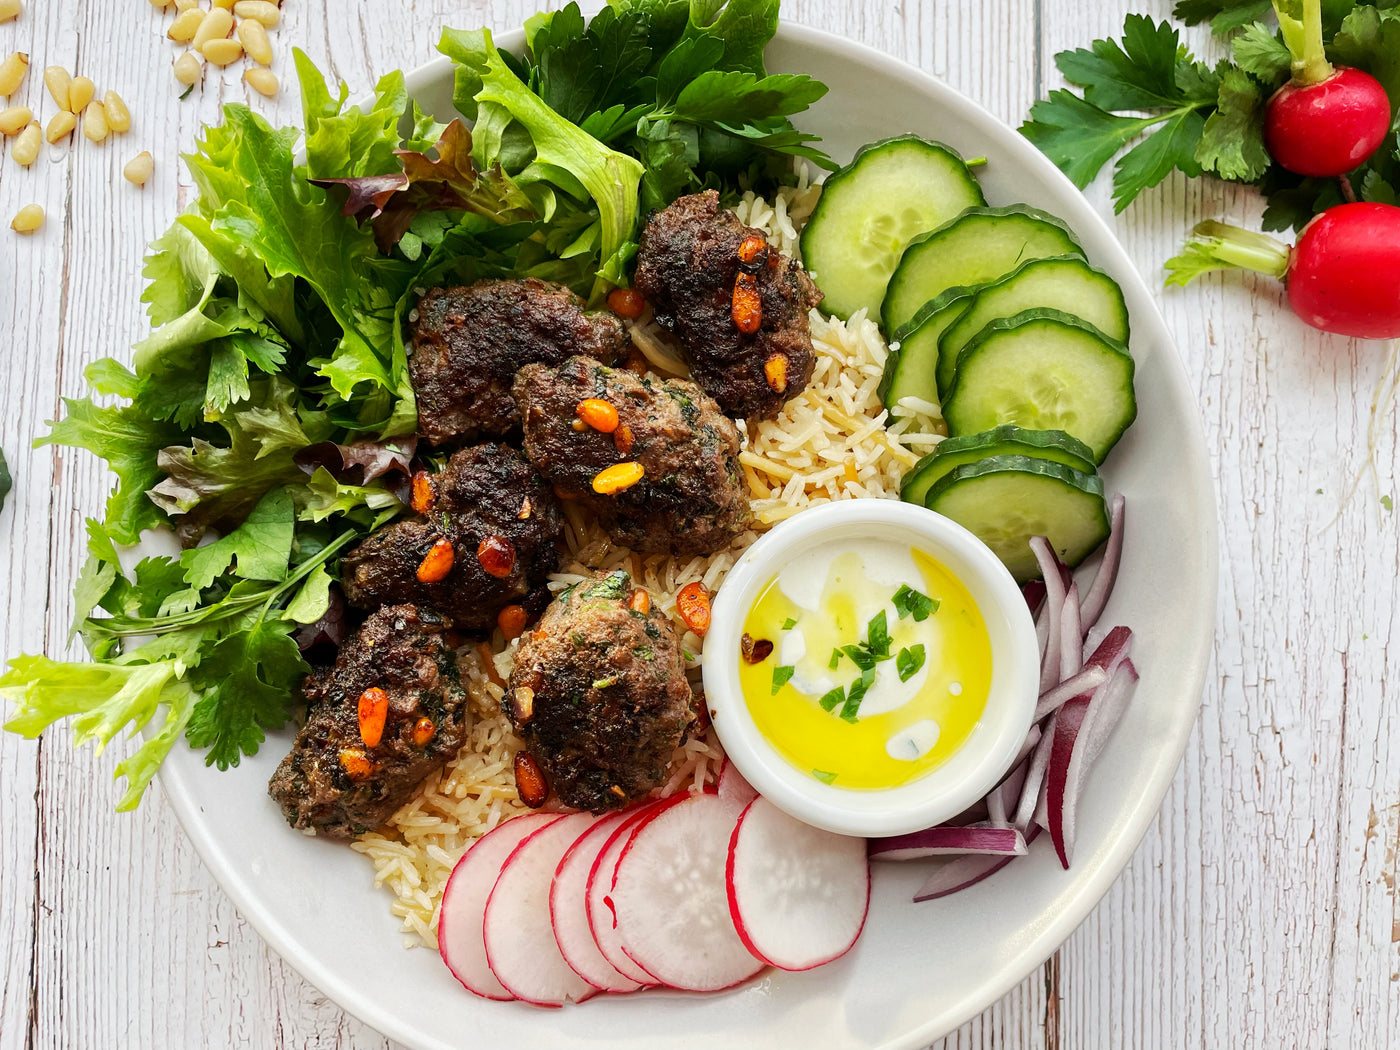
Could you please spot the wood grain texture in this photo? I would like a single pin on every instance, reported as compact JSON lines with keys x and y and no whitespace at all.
{"x":1260,"y":910}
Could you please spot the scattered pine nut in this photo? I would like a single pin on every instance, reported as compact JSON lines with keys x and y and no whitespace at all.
{"x":255,"y":41}
{"x":160,"y":5}
{"x":216,"y":25}
{"x":139,"y":168}
{"x":118,"y":116}
{"x":95,"y":122}
{"x":188,"y":68}
{"x":58,"y":80}
{"x":266,"y":13}
{"x":14,"y":120}
{"x":185,"y":26}
{"x":9,"y":10}
{"x":263,"y":81}
{"x":28,"y":219}
{"x":12,"y":72}
{"x":80,"y":92}
{"x":186,"y":5}
{"x":226,"y":5}
{"x":222,"y":52}
{"x":25,"y":151}
{"x":60,"y":127}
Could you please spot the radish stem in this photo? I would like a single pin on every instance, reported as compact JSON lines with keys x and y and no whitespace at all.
{"x":1217,"y":246}
{"x":1302,"y":32}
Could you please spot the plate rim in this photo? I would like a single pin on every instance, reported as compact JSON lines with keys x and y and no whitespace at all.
{"x":1086,"y":892}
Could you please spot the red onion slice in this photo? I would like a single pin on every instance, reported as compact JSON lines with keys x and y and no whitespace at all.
{"x":1097,"y":597}
{"x":1110,"y":703}
{"x":962,"y":872}
{"x":1086,"y":681}
{"x":1051,"y":609}
{"x":1071,"y":636}
{"x":941,"y":841}
{"x":1035,"y":777}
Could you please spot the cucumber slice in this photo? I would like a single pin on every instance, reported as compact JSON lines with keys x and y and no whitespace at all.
{"x":1065,"y":282}
{"x":910,"y":369}
{"x":978,"y":246}
{"x":869,"y":210}
{"x":1044,"y":370}
{"x":1006,"y":500}
{"x":1054,"y":446}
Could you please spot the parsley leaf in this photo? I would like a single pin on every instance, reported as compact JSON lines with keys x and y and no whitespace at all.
{"x":909,"y":602}
{"x":877,"y":635}
{"x":1223,"y":15}
{"x":824,"y":776}
{"x":259,"y":548}
{"x":789,"y":624}
{"x":1259,"y":52}
{"x":909,"y":661}
{"x":835,"y":660}
{"x":781,"y":676}
{"x":248,"y":680}
{"x":832,"y":698}
{"x":1138,"y":74}
{"x":1232,"y":141}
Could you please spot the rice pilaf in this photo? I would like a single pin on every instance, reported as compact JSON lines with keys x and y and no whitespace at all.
{"x":831,"y":442}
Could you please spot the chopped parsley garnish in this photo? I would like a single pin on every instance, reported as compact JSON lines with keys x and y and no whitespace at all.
{"x":835,"y":659}
{"x":909,"y":661}
{"x":831,"y":699}
{"x":789,"y":624}
{"x":781,"y":675}
{"x":614,"y":585}
{"x":824,"y":776}
{"x":909,"y":602}
{"x":851,"y":708}
{"x":877,"y":635}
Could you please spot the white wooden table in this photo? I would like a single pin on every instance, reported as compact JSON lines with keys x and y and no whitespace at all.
{"x":1260,"y":910}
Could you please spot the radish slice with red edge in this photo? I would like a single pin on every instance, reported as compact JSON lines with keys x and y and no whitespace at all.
{"x":671,"y":900}
{"x":568,"y":909}
{"x":602,"y":918}
{"x":959,"y":873}
{"x":939,"y":842}
{"x":520,"y":945}
{"x":733,"y":787}
{"x":798,"y":895}
{"x":461,"y":915}
{"x":1092,"y":607}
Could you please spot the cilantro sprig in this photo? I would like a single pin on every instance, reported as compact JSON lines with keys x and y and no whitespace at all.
{"x":1148,"y":101}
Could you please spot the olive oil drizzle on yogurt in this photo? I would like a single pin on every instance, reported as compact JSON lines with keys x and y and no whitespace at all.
{"x":880,"y":667}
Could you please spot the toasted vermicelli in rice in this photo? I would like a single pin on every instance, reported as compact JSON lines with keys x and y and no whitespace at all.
{"x":833,"y":441}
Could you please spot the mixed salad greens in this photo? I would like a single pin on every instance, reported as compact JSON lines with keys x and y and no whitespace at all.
{"x":271,"y":408}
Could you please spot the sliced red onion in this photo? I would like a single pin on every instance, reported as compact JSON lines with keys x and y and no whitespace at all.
{"x":1085,"y":682}
{"x":1116,"y":647}
{"x":1006,"y":795}
{"x":1071,"y":637}
{"x":1053,"y":606}
{"x":1034,"y":593}
{"x":1111,"y":701}
{"x":961,"y":872}
{"x":1063,"y":774}
{"x":1035,"y":776}
{"x":1099,"y":591}
{"x":942,"y":842}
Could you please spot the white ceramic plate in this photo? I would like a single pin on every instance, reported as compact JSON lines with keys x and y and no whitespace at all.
{"x":920,"y":970}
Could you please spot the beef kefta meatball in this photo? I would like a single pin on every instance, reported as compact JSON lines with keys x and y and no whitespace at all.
{"x":332,"y":780}
{"x":687,"y":266}
{"x":690,"y":498}
{"x":485,"y":493}
{"x":468,"y":343}
{"x":599,"y":695}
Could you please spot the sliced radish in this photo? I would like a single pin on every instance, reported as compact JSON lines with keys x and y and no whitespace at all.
{"x":798,"y":895}
{"x":959,"y":873}
{"x":733,"y":787}
{"x":520,"y":945}
{"x":602,"y":919}
{"x":671,"y":901}
{"x":568,"y":909}
{"x":462,"y":914}
{"x":936,"y":842}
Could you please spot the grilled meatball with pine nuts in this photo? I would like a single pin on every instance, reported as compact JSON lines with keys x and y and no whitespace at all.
{"x":737,"y":305}
{"x":389,"y":712}
{"x":656,"y":461}
{"x":468,"y":343}
{"x":599,"y":694}
{"x":484,"y":540}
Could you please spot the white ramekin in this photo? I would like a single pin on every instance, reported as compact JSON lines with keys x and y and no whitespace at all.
{"x":972,"y":770}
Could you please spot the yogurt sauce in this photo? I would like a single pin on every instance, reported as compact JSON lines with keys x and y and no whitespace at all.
{"x":880,"y":664}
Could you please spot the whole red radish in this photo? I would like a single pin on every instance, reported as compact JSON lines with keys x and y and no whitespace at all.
{"x":1343,"y":275}
{"x":1328,"y":119}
